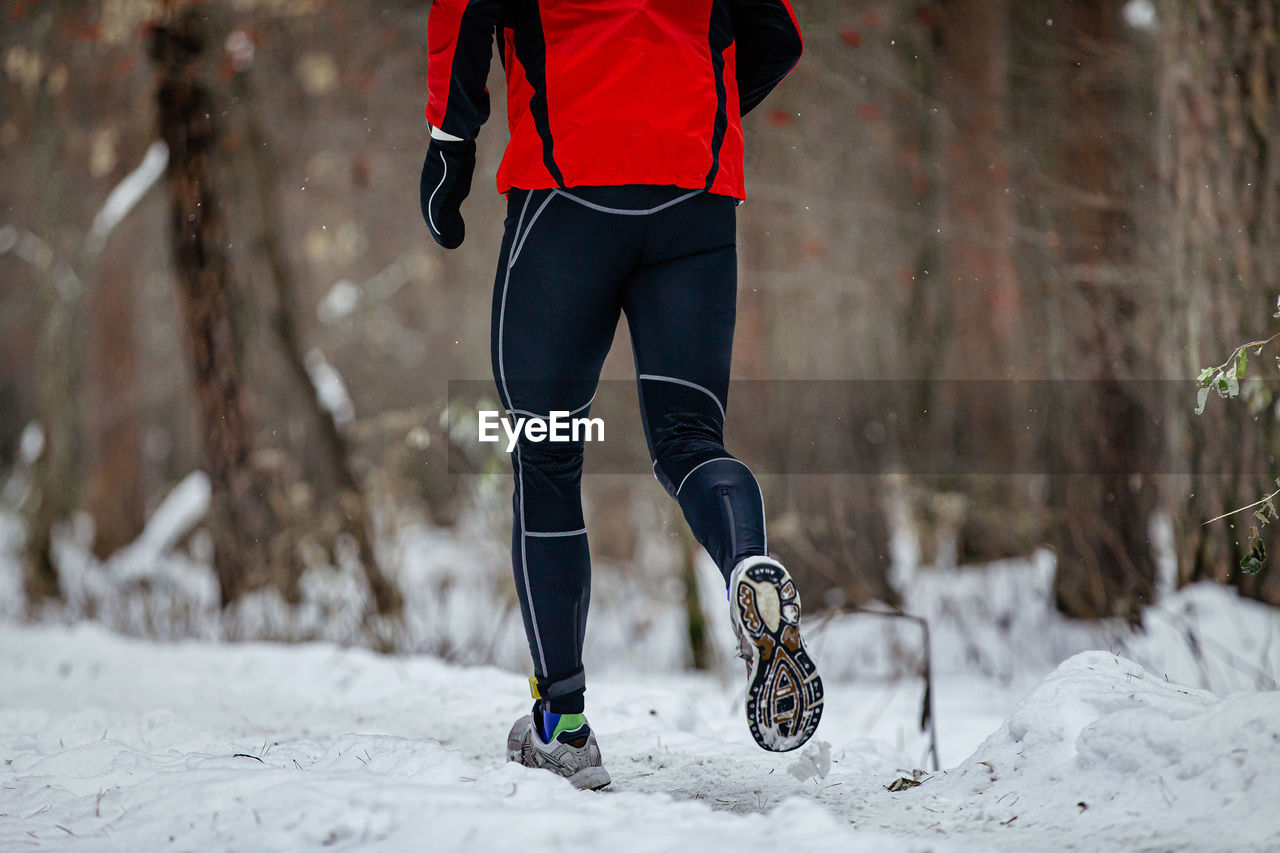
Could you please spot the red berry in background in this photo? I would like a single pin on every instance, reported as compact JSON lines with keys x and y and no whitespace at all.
{"x":851,"y":37}
{"x":780,"y":118}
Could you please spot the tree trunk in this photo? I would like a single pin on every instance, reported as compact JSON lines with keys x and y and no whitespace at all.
{"x":978,"y":288}
{"x":351,"y":502}
{"x":1220,"y":164}
{"x":55,"y":473}
{"x":115,"y":494}
{"x":1099,"y":522}
{"x":248,"y":551}
{"x":977,"y":213}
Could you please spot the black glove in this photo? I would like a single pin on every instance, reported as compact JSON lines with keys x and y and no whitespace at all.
{"x":446,"y":180}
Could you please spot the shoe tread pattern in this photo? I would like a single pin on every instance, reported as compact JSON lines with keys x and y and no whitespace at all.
{"x":784,"y":698}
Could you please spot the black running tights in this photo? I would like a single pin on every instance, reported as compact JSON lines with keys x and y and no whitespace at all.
{"x":571,"y":261}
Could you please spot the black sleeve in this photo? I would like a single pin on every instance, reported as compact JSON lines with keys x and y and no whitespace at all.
{"x":768,"y":46}
{"x":460,"y":36}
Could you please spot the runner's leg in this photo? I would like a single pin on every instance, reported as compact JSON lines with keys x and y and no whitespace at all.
{"x":680,"y":307}
{"x":555,"y":308}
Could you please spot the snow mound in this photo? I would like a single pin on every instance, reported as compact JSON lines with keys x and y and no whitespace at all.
{"x":1105,"y":749}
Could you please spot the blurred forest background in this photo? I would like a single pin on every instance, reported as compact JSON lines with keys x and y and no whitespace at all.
{"x":1083,"y":193}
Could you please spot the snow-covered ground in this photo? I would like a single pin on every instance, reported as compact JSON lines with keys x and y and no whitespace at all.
{"x":157,"y":740}
{"x":114,"y":743}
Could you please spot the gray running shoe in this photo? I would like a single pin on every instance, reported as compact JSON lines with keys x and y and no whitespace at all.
{"x":784,"y":698}
{"x":572,"y":754}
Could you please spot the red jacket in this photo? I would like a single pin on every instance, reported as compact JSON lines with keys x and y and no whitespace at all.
{"x":607,"y":92}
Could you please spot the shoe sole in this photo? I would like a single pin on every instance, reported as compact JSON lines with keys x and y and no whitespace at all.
{"x":784,"y":699}
{"x":590,"y":779}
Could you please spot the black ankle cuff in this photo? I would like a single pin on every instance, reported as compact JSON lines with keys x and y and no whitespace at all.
{"x":569,"y":703}
{"x":563,"y":695}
